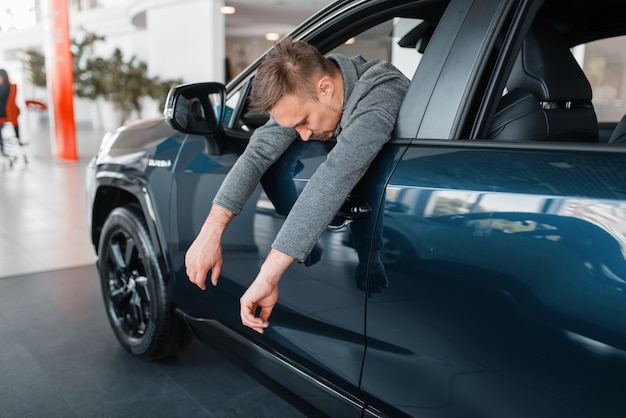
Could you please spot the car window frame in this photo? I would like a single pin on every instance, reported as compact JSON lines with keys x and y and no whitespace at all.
{"x":463,"y":79}
{"x":329,"y":34}
{"x":513,"y":38}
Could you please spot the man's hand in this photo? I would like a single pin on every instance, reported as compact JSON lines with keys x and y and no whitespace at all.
{"x":263,"y":292}
{"x":205,"y":253}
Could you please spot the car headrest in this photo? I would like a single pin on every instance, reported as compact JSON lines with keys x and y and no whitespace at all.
{"x":547,"y":68}
{"x":196,"y":110}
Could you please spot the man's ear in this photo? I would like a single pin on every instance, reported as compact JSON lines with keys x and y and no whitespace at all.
{"x":325,"y":86}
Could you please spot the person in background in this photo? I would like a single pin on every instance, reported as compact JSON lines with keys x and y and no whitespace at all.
{"x":8,"y":108}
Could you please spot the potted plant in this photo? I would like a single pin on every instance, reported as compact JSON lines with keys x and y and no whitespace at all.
{"x":116,"y":83}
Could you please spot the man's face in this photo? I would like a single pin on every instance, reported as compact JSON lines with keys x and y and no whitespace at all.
{"x":312,"y":119}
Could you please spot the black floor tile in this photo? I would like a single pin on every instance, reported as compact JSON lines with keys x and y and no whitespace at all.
{"x":59,"y":358}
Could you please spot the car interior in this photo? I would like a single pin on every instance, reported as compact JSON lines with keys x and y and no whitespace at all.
{"x":549,"y":96}
{"x":595,"y":35}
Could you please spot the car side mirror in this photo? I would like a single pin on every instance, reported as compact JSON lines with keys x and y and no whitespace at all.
{"x":196,"y":108}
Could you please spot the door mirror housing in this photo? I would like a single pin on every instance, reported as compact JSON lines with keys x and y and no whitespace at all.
{"x":196,"y":108}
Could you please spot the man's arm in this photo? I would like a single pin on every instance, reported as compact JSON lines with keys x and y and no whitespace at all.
{"x":205,"y":253}
{"x":369,"y":129}
{"x":266,"y":145}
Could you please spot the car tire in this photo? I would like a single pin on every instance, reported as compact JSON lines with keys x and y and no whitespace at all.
{"x":138,"y":305}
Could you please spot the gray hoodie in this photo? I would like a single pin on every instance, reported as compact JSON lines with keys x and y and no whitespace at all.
{"x":373,"y":93}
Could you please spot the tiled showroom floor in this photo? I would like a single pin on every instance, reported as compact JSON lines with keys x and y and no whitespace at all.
{"x":58,"y":356}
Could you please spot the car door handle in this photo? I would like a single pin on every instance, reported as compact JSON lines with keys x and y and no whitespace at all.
{"x":354,"y":208}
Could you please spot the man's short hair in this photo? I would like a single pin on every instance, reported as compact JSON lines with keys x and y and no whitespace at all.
{"x":290,"y":67}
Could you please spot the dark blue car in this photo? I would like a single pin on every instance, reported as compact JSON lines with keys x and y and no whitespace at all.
{"x":477,"y":270}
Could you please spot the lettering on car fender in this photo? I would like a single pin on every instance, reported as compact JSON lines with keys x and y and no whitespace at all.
{"x":159,"y":163}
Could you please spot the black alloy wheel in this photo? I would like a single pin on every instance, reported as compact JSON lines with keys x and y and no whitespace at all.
{"x":135,"y":295}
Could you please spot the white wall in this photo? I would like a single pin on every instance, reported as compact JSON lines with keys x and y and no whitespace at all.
{"x":186,"y":40}
{"x":176,"y":38}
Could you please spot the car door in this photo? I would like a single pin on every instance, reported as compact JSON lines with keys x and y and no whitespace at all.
{"x":505,"y":261}
{"x":318,"y":323}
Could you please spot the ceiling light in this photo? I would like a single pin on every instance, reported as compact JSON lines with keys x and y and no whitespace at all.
{"x":227,"y":10}
{"x":350,"y":41}
{"x":272,"y":36}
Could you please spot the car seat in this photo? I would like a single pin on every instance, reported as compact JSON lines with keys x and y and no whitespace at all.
{"x":200,"y":120}
{"x":549,"y":96}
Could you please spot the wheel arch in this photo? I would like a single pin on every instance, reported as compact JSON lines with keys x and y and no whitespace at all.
{"x":115,"y":190}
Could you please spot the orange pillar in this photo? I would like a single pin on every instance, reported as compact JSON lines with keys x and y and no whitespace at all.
{"x":60,"y":78}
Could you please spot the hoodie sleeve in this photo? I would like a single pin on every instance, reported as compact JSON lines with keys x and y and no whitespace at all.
{"x":266,"y":145}
{"x":368,"y":127}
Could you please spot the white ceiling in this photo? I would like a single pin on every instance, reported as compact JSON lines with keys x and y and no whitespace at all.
{"x":258,"y":17}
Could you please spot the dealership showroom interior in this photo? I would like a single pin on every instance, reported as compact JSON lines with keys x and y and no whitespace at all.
{"x":438,"y":185}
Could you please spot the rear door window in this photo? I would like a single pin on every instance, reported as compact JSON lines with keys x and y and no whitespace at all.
{"x":603,"y":63}
{"x":387,"y":41}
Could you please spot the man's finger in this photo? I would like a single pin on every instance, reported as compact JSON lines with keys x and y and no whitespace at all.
{"x":215,"y":274}
{"x":247,"y":314}
{"x":265,"y":313}
{"x":250,"y":320}
{"x":258,"y":329}
{"x":200,"y":280}
{"x":256,"y":324}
